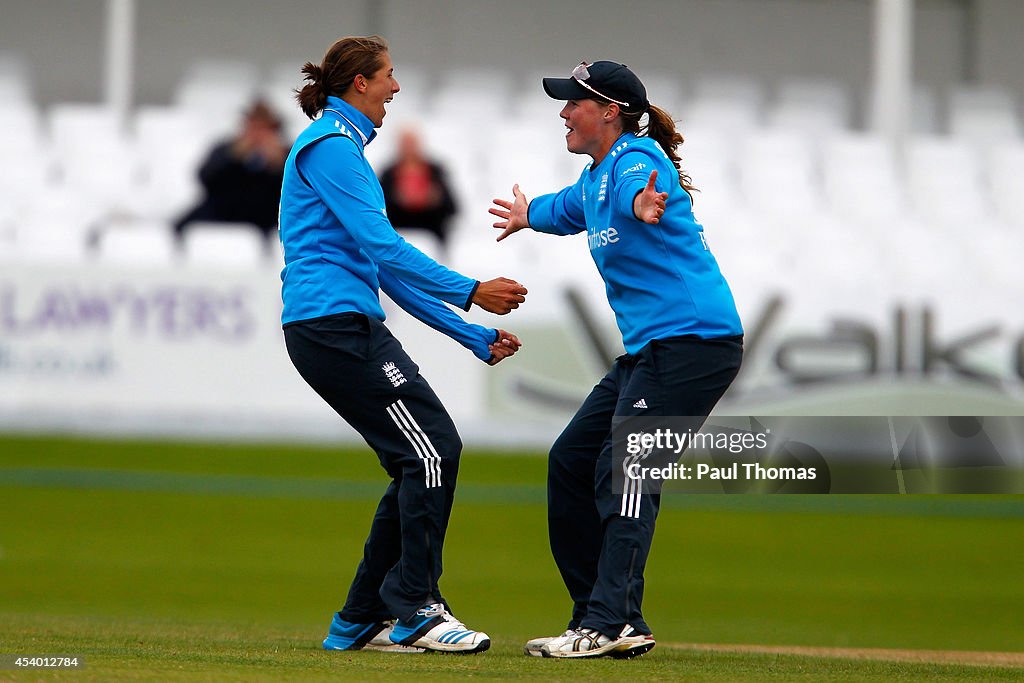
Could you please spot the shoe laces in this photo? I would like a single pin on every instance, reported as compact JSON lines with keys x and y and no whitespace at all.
{"x":438,"y":610}
{"x":593,"y":636}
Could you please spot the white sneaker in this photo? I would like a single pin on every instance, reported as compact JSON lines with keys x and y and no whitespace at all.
{"x":533,"y":647}
{"x":586,"y":642}
{"x":433,"y":628}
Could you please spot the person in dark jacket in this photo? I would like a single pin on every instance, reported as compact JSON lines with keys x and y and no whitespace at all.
{"x":242,"y":177}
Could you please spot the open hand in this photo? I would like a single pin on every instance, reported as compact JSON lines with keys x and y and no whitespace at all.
{"x":649,"y":204}
{"x":514,"y":214}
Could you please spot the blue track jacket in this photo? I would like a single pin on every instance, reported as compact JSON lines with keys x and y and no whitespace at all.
{"x":662,"y":280}
{"x":339,"y":247}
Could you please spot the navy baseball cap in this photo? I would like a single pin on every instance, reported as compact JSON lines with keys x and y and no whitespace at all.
{"x":604,"y":80}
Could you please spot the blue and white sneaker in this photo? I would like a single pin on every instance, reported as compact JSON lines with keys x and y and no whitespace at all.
{"x":435,"y":629}
{"x":347,"y":635}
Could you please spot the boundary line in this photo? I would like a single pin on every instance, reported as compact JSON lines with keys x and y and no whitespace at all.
{"x":971,"y":658}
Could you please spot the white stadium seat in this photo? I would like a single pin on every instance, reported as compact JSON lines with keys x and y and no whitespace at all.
{"x":59,"y":228}
{"x":814,"y":106}
{"x":224,"y":245}
{"x":20,"y":129}
{"x":279,"y":92}
{"x":734,"y":118}
{"x":861,"y":178}
{"x":709,"y":158}
{"x":218,"y":91}
{"x":779,"y":173}
{"x":1006,"y":171}
{"x":138,"y":244}
{"x":93,"y":153}
{"x":984,"y":115}
{"x":665,"y":90}
{"x":732,"y":104}
{"x":945,"y":181}
{"x":729,"y":88}
{"x":475,"y":94}
{"x":170,"y":146}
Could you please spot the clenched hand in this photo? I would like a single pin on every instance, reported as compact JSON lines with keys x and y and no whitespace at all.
{"x":499,"y":295}
{"x":506,"y":345}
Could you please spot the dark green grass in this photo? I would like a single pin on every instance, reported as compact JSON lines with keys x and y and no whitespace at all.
{"x":200,"y":562}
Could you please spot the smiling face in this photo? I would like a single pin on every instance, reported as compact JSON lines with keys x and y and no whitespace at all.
{"x":379,"y":89}
{"x":592,"y":127}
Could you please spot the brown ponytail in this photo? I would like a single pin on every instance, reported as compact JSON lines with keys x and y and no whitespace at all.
{"x":345,"y":60}
{"x":312,"y":98}
{"x":662,"y":129}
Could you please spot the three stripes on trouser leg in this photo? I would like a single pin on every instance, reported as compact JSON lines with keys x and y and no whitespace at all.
{"x":419,"y":440}
{"x":632,"y":488}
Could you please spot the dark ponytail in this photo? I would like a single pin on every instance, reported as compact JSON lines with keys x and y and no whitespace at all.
{"x":312,"y":98}
{"x":345,"y":60}
{"x":662,"y":129}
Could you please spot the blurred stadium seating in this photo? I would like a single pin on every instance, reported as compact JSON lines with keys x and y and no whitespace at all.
{"x":776,"y":153}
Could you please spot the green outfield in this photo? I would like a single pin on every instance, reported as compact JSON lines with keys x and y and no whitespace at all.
{"x":159,"y":561}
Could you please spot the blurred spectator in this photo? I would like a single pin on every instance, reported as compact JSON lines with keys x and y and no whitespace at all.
{"x":242,"y":177}
{"x":415,"y":190}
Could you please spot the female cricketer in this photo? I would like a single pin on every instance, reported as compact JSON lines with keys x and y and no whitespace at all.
{"x":679,"y":326}
{"x":340,"y":251}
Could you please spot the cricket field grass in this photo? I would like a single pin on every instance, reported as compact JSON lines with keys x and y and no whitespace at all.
{"x":209,"y":562}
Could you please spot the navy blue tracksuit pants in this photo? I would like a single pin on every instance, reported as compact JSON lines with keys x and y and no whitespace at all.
{"x":355,"y":364}
{"x":599,"y":544}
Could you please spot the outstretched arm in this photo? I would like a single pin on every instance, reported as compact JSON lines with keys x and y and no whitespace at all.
{"x":560,"y":213}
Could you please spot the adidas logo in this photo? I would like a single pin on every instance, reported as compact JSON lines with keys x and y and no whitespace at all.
{"x":640,"y":404}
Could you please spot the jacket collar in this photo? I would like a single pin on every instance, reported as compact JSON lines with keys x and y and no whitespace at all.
{"x":355,"y":118}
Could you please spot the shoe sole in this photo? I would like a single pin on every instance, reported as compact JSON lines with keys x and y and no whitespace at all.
{"x":638,"y":650}
{"x":394,"y":649}
{"x":443,"y":649}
